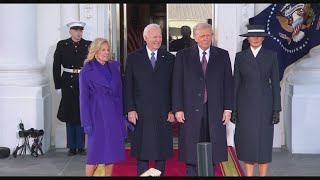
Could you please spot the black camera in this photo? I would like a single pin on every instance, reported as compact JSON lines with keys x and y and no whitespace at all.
{"x":26,"y":134}
{"x":36,"y":133}
{"x":23,"y":132}
{"x":30,"y":132}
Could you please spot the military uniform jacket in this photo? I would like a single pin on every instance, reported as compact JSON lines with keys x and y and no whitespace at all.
{"x":67,"y":55}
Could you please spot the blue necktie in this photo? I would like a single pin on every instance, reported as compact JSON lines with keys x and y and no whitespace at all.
{"x":153,"y":59}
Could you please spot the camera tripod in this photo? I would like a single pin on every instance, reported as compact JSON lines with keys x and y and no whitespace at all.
{"x":36,"y":146}
{"x":22,"y":148}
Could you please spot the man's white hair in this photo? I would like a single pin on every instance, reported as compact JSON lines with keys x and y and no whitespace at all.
{"x":149,"y":27}
{"x":201,"y":26}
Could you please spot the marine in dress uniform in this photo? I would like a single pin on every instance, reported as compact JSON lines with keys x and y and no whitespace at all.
{"x":69,"y":55}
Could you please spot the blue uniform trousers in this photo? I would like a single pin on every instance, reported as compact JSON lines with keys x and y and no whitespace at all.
{"x":75,"y":136}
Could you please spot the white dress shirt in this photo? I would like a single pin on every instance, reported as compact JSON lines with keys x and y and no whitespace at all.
{"x":149,"y":52}
{"x":255,"y":51}
{"x":207,"y":55}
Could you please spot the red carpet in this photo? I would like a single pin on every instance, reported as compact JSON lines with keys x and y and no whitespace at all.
{"x":174,"y":167}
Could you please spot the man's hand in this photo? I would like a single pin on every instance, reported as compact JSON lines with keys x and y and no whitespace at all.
{"x":275,"y":117}
{"x":180,"y":116}
{"x":234,"y":117}
{"x":171,"y":117}
{"x":133,"y":117}
{"x":226,"y":117}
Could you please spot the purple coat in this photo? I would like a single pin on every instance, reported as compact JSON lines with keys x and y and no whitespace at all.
{"x":101,"y":108}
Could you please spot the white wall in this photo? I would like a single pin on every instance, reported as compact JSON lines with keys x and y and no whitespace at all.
{"x":24,"y":88}
{"x":49,"y":29}
{"x":260,"y":7}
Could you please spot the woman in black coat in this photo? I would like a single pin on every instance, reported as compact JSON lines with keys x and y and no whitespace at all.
{"x":257,"y":101}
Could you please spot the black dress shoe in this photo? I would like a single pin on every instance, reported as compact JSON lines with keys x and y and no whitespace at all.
{"x":82,"y":151}
{"x":72,"y":152}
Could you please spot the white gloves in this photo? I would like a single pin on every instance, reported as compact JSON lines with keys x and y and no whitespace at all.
{"x":59,"y":91}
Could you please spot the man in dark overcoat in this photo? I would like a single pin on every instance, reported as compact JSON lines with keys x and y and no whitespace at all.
{"x":70,"y":54}
{"x":147,"y":101}
{"x":184,"y":42}
{"x":257,"y":101}
{"x":202,"y":98}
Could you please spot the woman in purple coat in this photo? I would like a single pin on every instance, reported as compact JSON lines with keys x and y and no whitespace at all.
{"x":101,"y":108}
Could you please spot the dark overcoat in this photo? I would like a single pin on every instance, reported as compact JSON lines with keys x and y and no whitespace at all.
{"x":257,"y":94}
{"x":69,"y":56}
{"x":181,"y":43}
{"x":188,"y":90}
{"x":148,"y":92}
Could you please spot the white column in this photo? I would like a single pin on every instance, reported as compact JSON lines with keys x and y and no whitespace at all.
{"x":301,"y":104}
{"x":228,"y":26}
{"x":97,"y":17}
{"x":88,"y":14}
{"x":68,"y":13}
{"x":24,"y":89}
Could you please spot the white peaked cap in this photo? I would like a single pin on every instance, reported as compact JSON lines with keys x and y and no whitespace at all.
{"x":76,"y":23}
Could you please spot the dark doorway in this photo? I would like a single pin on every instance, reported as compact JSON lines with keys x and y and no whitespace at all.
{"x":133,"y":19}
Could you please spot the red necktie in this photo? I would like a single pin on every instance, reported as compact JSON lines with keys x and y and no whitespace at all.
{"x":204,"y":68}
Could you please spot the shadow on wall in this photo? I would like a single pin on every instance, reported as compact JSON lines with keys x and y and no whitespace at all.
{"x":55,"y":97}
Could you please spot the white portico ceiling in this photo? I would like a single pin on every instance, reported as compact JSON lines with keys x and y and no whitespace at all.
{"x":189,"y":11}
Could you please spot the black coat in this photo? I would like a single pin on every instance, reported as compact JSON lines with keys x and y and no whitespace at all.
{"x":148,"y":92}
{"x":257,"y":94}
{"x":68,"y":56}
{"x":188,"y":89}
{"x":181,"y":43}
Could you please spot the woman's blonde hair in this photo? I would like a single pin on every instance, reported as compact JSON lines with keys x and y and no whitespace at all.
{"x":94,"y":48}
